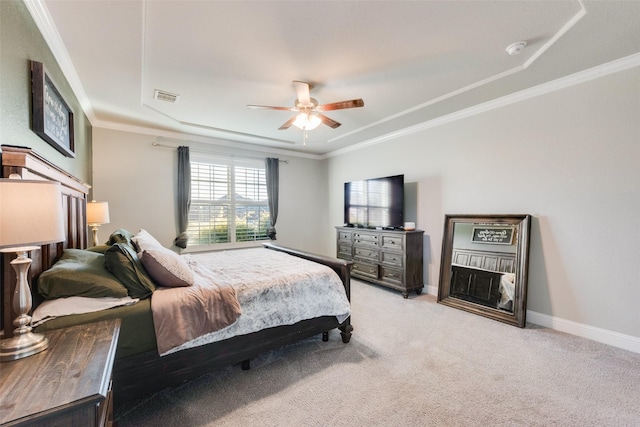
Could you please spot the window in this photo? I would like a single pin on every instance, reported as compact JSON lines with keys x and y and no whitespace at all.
{"x":228,"y":201}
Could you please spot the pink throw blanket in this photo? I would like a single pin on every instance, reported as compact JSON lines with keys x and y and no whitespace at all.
{"x":182,"y":314}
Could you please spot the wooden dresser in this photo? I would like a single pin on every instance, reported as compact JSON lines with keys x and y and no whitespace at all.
{"x":69,"y":384}
{"x":391,"y":258}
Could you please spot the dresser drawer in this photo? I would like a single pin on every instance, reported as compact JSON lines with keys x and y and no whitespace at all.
{"x":391,"y":275}
{"x":394,"y":242}
{"x":392,"y":259}
{"x":364,"y":269}
{"x":368,"y":253}
{"x":344,"y":236}
{"x":366,"y":239}
{"x":345,"y":251}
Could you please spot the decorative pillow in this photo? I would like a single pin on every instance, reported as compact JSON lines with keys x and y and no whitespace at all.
{"x":166,"y":267}
{"x":79,"y":273}
{"x":144,"y":240}
{"x":123,"y":262}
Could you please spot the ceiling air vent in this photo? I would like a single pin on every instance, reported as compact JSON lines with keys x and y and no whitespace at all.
{"x":162,"y":95}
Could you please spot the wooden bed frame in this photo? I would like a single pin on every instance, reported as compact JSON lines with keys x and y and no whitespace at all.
{"x":139,"y":375}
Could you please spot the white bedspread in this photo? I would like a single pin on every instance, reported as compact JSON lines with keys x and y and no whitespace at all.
{"x":273,"y":289}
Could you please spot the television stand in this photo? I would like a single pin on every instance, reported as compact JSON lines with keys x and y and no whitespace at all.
{"x":391,"y":258}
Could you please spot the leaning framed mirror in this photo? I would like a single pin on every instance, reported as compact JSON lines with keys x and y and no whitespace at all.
{"x":484,"y":265}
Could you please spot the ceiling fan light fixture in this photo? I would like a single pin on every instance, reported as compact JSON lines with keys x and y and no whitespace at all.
{"x":307,"y":121}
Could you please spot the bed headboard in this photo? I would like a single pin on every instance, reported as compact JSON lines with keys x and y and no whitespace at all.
{"x":487,"y":260}
{"x":29,"y":165}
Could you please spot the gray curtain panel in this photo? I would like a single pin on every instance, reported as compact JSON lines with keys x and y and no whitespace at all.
{"x":184,"y":196}
{"x":272,"y":165}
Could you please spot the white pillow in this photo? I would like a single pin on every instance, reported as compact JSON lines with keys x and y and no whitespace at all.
{"x":144,"y":240}
{"x":165,"y":267}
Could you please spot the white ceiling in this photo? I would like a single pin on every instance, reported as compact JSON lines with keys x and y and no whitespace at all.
{"x":410,"y":61}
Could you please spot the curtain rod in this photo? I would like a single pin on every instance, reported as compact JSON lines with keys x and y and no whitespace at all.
{"x":157,"y":144}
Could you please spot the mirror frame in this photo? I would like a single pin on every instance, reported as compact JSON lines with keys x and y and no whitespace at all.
{"x":522,"y":224}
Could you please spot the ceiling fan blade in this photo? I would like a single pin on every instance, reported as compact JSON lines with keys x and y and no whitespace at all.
{"x":288,"y":123}
{"x":329,"y":122}
{"x":302,"y":92}
{"x":354,"y":103}
{"x":268,"y":107}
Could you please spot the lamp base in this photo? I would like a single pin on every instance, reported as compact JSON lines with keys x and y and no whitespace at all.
{"x":24,"y":342}
{"x":94,"y":230}
{"x":22,"y":345}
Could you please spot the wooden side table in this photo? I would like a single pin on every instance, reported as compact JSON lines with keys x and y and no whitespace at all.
{"x":69,"y":384}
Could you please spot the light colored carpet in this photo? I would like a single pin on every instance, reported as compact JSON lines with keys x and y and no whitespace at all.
{"x":413,"y":362}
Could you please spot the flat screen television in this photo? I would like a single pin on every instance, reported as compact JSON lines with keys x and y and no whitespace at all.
{"x":375,"y":203}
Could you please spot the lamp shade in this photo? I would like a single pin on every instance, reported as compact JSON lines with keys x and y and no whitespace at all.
{"x":307,"y":121}
{"x":97,"y":213}
{"x":30,"y":213}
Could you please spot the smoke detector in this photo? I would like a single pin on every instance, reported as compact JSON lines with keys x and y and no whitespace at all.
{"x":516,"y":48}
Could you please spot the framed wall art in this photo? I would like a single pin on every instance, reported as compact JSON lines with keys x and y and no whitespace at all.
{"x":52,"y":118}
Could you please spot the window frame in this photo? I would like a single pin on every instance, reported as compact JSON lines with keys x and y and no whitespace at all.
{"x":232,"y":163}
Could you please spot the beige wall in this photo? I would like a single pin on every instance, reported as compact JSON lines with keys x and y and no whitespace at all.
{"x":138,"y":180}
{"x":569,"y":158}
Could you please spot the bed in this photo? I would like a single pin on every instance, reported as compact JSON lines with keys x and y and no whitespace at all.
{"x":140,"y":369}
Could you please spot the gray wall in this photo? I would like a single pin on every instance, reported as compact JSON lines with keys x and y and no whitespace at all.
{"x":569,"y":158}
{"x":139,"y":182}
{"x":20,"y":42}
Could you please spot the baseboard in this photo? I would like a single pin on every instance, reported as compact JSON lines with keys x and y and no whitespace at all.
{"x":616,"y":339}
{"x":626,"y":342}
{"x":432,"y":290}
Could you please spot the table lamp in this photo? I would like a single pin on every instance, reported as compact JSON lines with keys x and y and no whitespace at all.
{"x":30,"y":216}
{"x":97,"y":214}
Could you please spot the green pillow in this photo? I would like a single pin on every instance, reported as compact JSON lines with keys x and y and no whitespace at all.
{"x":101,"y":249}
{"x":122,"y":261}
{"x":79,"y":273}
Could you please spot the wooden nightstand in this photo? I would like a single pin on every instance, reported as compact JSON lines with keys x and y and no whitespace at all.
{"x":69,"y":384}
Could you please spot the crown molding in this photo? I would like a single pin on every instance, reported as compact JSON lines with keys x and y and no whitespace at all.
{"x":580,"y":77}
{"x":45,"y":24}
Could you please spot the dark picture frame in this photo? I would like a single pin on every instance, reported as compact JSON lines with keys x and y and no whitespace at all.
{"x":52,"y":118}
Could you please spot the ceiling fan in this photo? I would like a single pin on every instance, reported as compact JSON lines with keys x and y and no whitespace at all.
{"x":310,"y":116}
